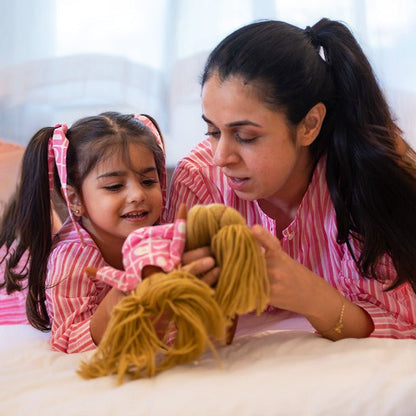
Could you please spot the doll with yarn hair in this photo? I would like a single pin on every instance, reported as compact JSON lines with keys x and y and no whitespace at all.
{"x":172,"y":317}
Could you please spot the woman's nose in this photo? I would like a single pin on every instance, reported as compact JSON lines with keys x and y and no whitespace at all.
{"x":224,"y":152}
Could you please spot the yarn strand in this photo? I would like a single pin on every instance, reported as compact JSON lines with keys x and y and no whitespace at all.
{"x":173,"y":318}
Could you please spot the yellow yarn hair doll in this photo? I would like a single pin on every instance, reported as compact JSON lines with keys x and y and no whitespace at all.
{"x":172,"y":317}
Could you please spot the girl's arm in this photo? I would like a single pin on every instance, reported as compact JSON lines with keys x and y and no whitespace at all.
{"x":198,"y":262}
{"x":72,"y":296}
{"x":102,"y":315}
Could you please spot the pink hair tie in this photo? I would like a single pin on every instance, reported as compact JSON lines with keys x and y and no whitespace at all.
{"x":163,"y":181}
{"x":148,"y":123}
{"x":57,"y":150}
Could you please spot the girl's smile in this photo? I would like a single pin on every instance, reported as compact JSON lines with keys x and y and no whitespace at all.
{"x":118,"y":198}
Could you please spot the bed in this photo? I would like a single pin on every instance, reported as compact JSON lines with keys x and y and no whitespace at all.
{"x":276,"y":365}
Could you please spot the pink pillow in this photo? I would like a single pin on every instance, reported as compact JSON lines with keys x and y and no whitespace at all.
{"x":12,"y":307}
{"x":10,"y":160}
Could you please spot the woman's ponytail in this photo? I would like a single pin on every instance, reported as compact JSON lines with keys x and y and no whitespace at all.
{"x":365,"y":174}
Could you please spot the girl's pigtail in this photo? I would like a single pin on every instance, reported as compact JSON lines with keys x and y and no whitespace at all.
{"x":33,"y":224}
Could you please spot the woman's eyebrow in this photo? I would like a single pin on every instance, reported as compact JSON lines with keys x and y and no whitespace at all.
{"x":234,"y":123}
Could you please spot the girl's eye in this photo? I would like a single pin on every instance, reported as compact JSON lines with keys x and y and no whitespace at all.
{"x":149,"y":182}
{"x":113,"y":188}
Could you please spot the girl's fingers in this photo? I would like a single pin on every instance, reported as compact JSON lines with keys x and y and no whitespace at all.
{"x":200,"y":266}
{"x":211,"y":277}
{"x":196,"y":254}
{"x":205,"y":269}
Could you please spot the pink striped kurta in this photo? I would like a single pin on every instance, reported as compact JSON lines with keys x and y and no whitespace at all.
{"x":71,"y":296}
{"x":310,"y":239}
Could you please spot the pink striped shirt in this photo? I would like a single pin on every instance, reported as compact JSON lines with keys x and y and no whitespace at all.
{"x":71,"y":296}
{"x":310,"y":239}
{"x":13,"y":306}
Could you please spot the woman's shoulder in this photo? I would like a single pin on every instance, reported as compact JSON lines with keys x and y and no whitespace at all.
{"x":199,"y":156}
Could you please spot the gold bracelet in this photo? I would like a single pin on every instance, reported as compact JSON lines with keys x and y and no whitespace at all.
{"x":340,"y":324}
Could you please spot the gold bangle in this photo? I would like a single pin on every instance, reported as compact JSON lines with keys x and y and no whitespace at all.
{"x":340,"y":324}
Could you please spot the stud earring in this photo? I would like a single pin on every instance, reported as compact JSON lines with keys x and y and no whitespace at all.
{"x":77,"y":212}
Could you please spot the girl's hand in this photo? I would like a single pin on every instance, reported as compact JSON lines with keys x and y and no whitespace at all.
{"x":200,"y":261}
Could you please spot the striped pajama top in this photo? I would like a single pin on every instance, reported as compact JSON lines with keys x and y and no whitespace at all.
{"x":71,"y":296}
{"x":310,"y":239}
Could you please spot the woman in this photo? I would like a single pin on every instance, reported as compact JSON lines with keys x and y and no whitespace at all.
{"x":302,"y":141}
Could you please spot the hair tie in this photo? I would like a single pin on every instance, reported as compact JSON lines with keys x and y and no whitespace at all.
{"x":312,"y":35}
{"x":57,"y":150}
{"x":309,"y":31}
{"x":159,"y":140}
{"x":149,"y":124}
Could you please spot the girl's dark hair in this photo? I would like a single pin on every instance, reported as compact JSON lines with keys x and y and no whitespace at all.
{"x":26,"y":224}
{"x":372,"y":184}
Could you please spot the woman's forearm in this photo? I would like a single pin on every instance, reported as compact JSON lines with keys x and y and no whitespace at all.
{"x":335,"y":317}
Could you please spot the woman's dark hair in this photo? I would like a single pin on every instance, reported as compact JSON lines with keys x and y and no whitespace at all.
{"x":26,"y":224}
{"x":372,"y":184}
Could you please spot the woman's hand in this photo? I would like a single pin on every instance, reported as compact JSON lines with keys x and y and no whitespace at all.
{"x":291,"y":284}
{"x":295,"y":288}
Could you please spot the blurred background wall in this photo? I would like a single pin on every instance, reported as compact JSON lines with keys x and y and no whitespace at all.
{"x":64,"y":59}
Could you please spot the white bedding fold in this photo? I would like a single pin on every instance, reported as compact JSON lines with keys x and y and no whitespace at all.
{"x":272,"y":372}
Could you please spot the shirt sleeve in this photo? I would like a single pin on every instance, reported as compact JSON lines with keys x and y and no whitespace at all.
{"x":393,"y":311}
{"x":72,"y":296}
{"x":191,"y":185}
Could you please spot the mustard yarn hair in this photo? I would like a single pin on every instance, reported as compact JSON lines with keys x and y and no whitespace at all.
{"x":137,"y":340}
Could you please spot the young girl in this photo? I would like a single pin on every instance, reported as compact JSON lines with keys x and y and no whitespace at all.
{"x":302,"y":141}
{"x":110,"y":170}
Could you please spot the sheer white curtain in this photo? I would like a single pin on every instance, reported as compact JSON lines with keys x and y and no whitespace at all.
{"x":63,"y":59}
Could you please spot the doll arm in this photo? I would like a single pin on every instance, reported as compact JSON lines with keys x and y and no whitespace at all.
{"x":160,"y":246}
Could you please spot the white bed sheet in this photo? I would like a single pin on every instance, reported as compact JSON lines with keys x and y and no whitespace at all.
{"x":283,"y":369}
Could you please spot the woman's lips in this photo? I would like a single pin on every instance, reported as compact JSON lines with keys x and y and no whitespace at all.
{"x":237,"y":184}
